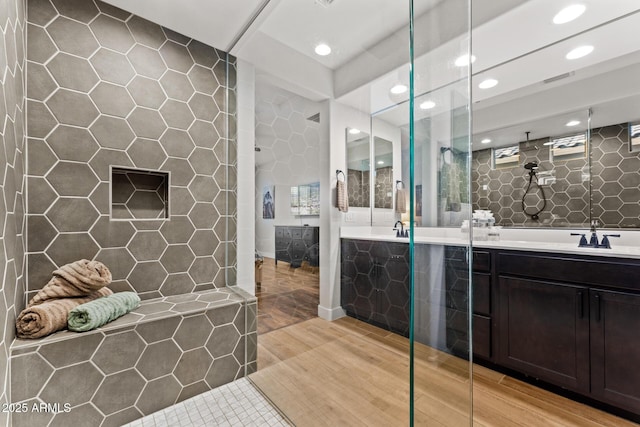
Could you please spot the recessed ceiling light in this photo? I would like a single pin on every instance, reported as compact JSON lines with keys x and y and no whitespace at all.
{"x":573,"y":123}
{"x":486,"y":140}
{"x":488,"y":84}
{"x":354,"y":131}
{"x":398,"y":89}
{"x":380,"y":162}
{"x":548,"y":143}
{"x":427,"y":105}
{"x":579,"y":52}
{"x":323,"y":49}
{"x":465,"y":60}
{"x":569,"y":13}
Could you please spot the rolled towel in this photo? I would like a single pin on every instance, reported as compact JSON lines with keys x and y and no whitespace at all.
{"x":401,"y":200}
{"x":342,"y":198}
{"x":99,"y":312}
{"x":77,"y":279}
{"x":44,"y":319}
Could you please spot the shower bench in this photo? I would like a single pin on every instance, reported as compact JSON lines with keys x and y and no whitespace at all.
{"x":167,"y":350}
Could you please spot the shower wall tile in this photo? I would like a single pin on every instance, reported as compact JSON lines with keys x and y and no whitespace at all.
{"x":147,"y":363}
{"x":12,"y":181}
{"x":111,"y":89}
{"x":615,"y":192}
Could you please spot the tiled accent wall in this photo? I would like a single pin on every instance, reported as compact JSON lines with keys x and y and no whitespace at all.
{"x":167,"y":351}
{"x":358,"y":188}
{"x":384,"y":191}
{"x":109,"y":88}
{"x":615,"y":197}
{"x":12,"y":164}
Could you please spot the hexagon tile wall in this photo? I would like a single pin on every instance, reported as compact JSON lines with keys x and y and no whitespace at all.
{"x":108,"y":88}
{"x":12,"y":164}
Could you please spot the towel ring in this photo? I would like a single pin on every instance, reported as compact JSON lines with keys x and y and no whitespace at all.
{"x":401,"y":184}
{"x":338,"y":172}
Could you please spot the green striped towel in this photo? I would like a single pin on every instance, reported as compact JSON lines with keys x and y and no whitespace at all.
{"x":101,"y":311}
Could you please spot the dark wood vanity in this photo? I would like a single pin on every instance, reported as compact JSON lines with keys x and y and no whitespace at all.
{"x":570,"y":321}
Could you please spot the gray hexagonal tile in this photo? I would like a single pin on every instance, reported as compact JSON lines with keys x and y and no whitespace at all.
{"x":79,"y":10}
{"x":203,"y":54}
{"x":221,"y":203}
{"x":146,"y":92}
{"x":40,"y":196}
{"x":68,"y":248}
{"x":112,"y":132}
{"x":40,"y":119}
{"x":159,"y":394}
{"x":146,"y":123}
{"x":72,"y":179}
{"x":204,"y":242}
{"x":85,"y":414}
{"x":81,"y":392}
{"x":176,"y":56}
{"x":129,"y":348}
{"x":147,"y":205}
{"x":147,"y":276}
{"x":146,"y":153}
{"x":58,"y":354}
{"x":112,"y":33}
{"x":181,"y":201}
{"x":104,"y":158}
{"x":204,"y":134}
{"x":118,"y":391}
{"x":222,"y":371}
{"x":220,"y":255}
{"x":193,"y":332}
{"x":203,"y":270}
{"x":159,"y":359}
{"x":112,"y":66}
{"x":40,"y":47}
{"x":41,"y":233}
{"x":220,"y":176}
{"x":72,"y":108}
{"x":158,"y":330}
{"x":72,"y":214}
{"x":203,"y":188}
{"x":177,"y":143}
{"x":72,"y":72}
{"x":146,"y":32}
{"x":40,"y":84}
{"x":177,"y":114}
{"x":193,"y":366}
{"x":203,"y":79}
{"x":119,"y":261}
{"x":41,"y":12}
{"x":121,"y":188}
{"x":147,"y":245}
{"x":220,"y":150}
{"x":181,"y":173}
{"x":177,"y":85}
{"x":204,"y":161}
{"x":72,"y":143}
{"x":178,"y":230}
{"x":225,"y":315}
{"x":112,"y":99}
{"x":177,"y":284}
{"x":41,"y":158}
{"x":29,"y":373}
{"x":177,"y":258}
{"x":72,"y":37}
{"x":203,"y":215}
{"x":112,"y":234}
{"x":203,"y":107}
{"x":146,"y":61}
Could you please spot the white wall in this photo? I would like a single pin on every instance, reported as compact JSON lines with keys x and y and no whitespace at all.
{"x":289,"y":156}
{"x":246,"y":175}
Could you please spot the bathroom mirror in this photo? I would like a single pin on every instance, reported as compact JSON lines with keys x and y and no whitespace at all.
{"x":634,"y":137}
{"x":384,"y":183}
{"x":358,"y":168}
{"x":575,"y":87}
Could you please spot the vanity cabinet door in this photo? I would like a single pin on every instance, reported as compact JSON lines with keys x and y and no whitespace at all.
{"x":393,"y":287}
{"x":544,"y":331}
{"x":615,"y":348}
{"x":358,"y":292}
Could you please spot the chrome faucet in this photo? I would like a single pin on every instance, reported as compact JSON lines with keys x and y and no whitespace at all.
{"x":401,"y":232}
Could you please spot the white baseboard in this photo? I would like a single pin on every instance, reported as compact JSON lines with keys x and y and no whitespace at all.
{"x":330,"y":313}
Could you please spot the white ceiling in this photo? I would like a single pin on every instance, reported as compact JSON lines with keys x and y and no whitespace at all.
{"x":515,"y":42}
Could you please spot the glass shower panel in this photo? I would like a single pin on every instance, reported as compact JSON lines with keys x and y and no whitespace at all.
{"x":436,"y":149}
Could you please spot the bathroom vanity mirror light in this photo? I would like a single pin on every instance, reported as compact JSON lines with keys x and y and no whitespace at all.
{"x":358,"y":167}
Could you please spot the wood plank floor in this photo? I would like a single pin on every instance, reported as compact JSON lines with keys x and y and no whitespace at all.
{"x":349,"y":373}
{"x":286,"y":295}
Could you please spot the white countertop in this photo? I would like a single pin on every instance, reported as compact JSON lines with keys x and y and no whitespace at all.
{"x":536,"y":240}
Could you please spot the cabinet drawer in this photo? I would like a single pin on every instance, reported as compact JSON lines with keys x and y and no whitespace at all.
{"x":481,"y":261}
{"x":482,"y":336}
{"x":482,"y":293}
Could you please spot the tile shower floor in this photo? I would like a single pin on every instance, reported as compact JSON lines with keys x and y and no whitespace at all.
{"x":238,"y":403}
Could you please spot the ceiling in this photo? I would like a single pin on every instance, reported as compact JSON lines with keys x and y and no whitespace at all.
{"x":514,"y":41}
